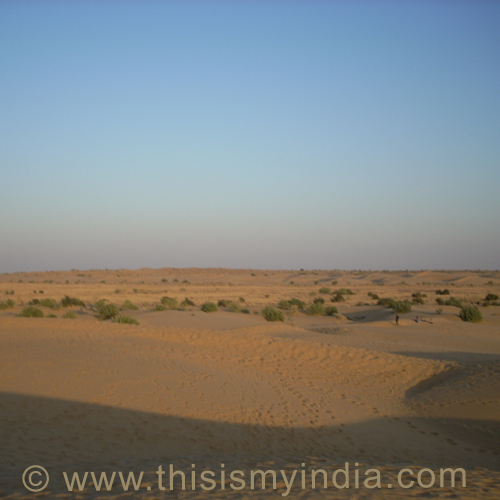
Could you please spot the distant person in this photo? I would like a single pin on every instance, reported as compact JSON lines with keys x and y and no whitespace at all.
{"x":397,"y":320}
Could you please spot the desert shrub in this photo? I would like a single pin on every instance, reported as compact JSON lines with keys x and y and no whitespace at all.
{"x":325,"y":290}
{"x":245,"y":311}
{"x":374,"y":296}
{"x":272,"y":314}
{"x":8,"y":304}
{"x":208,"y":307}
{"x":443,"y":292}
{"x":47,"y":303}
{"x":334,"y":282}
{"x":223,"y":303}
{"x":33,"y":302}
{"x":417,"y":300}
{"x":31,"y":312}
{"x":105,"y":310}
{"x":51,"y":315}
{"x":331,"y":310}
{"x":316,"y":309}
{"x":187,"y":302}
{"x":491,"y":296}
{"x":234,"y":307}
{"x":242,"y":300}
{"x":70,"y":315}
{"x":169,"y":303}
{"x":159,"y":307}
{"x":439,"y":310}
{"x":284,"y":304}
{"x":345,"y":291}
{"x":471,"y":313}
{"x":72,"y":301}
{"x":129,"y":305}
{"x":297,"y":302}
{"x":440,"y":301}
{"x":319,"y":300}
{"x":338,"y":297}
{"x":386,"y":302}
{"x":401,"y":306}
{"x":125,"y":319}
{"x":453,"y":301}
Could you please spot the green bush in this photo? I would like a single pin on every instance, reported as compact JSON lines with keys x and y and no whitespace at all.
{"x":471,"y":313}
{"x":386,"y":302}
{"x":223,"y":303}
{"x":325,"y":290}
{"x":208,"y":307}
{"x":159,"y":307}
{"x":8,"y":304}
{"x":47,"y":303}
{"x":125,"y":319}
{"x":338,"y":297}
{"x":272,"y":314}
{"x":316,"y":309}
{"x":169,"y":303}
{"x":374,"y":296}
{"x":72,"y":301}
{"x":70,"y":315}
{"x":129,"y":305}
{"x":31,"y":312}
{"x":319,"y":300}
{"x":491,"y":296}
{"x":453,"y":301}
{"x":106,"y":311}
{"x":187,"y":302}
{"x":417,"y":300}
{"x":234,"y":306}
{"x":401,"y":306}
{"x":284,"y":304}
{"x":331,"y":310}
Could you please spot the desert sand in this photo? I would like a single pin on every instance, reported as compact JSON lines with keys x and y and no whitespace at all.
{"x":189,"y":387}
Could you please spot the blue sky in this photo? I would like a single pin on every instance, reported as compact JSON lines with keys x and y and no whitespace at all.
{"x":264,"y":134}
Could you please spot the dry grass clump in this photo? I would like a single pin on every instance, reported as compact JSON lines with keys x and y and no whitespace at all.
{"x":8,"y":304}
{"x":105,"y":310}
{"x":125,"y":319}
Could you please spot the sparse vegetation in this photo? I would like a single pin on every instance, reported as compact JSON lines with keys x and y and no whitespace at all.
{"x":270,"y":313}
{"x":70,"y":315}
{"x":331,"y":310}
{"x":187,"y":303}
{"x":125,"y":319}
{"x":208,"y":307}
{"x":72,"y":302}
{"x":31,"y":312}
{"x":325,"y":290}
{"x":439,"y":310}
{"x":374,"y":296}
{"x":129,"y":305}
{"x":106,"y":310}
{"x":319,"y":300}
{"x":245,"y":311}
{"x":491,"y":296}
{"x":401,"y":306}
{"x":316,"y":309}
{"x":8,"y":304}
{"x":443,"y":292}
{"x":169,"y":303}
{"x":471,"y":314}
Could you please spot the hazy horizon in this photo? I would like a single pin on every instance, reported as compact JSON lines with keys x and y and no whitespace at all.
{"x":249,"y":135}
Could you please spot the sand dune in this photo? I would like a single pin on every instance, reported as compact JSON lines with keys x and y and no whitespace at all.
{"x":188,"y":387}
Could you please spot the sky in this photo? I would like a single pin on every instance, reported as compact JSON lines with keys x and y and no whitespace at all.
{"x":249,"y":134}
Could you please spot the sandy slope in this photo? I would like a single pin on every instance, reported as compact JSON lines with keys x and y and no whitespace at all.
{"x":186,"y":387}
